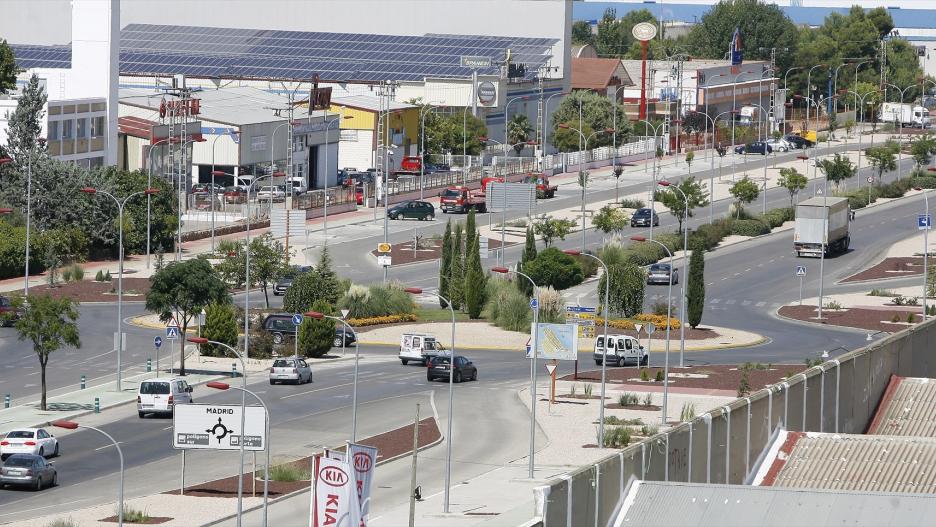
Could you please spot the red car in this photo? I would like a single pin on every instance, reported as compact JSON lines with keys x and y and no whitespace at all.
{"x":235,"y":195}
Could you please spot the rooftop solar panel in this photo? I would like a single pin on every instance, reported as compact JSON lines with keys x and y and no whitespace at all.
{"x":28,"y":56}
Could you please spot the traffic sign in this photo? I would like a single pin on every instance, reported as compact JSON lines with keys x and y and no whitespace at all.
{"x":384,"y":261}
{"x":383,"y":248}
{"x":157,"y":341}
{"x":217,"y":427}
{"x":297,"y":319}
{"x":924,"y":222}
{"x":650,"y":328}
{"x":172,"y":332}
{"x":870,"y":179}
{"x":550,"y":368}
{"x":638,"y":327}
{"x":534,"y":303}
{"x":801,"y":270}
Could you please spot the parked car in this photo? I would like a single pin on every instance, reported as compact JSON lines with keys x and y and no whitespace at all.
{"x":280,"y":326}
{"x":359,"y":195}
{"x":438,"y":368}
{"x":660,"y":274}
{"x":160,"y":395}
{"x":756,"y":147}
{"x":641,"y":218}
{"x":235,"y":194}
{"x":28,"y":470}
{"x":621,"y":349}
{"x":206,"y":188}
{"x":29,"y":441}
{"x":8,"y":313}
{"x":286,"y":281}
{"x":798,"y":141}
{"x":419,"y":210}
{"x":272,"y":192}
{"x":293,"y":369}
{"x":432,"y":168}
{"x":780,"y":145}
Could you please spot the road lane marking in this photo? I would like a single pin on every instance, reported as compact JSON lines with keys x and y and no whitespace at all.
{"x":760,"y":304}
{"x":316,"y":390}
{"x":108,"y":446}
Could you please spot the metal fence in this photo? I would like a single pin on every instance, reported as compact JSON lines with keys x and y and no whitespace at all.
{"x":723,"y":445}
{"x":315,"y":199}
{"x":643,"y":145}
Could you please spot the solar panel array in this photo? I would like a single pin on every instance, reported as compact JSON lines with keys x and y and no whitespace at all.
{"x":28,"y":57}
{"x":296,"y":55}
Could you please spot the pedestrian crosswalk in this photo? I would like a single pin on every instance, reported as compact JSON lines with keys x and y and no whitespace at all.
{"x":414,"y":376}
{"x":720,"y":303}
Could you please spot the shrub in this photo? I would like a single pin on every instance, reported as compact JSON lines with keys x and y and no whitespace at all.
{"x":628,"y":399}
{"x":131,"y":515}
{"x":107,"y":276}
{"x":710,"y":235}
{"x":910,"y":318}
{"x":376,"y":300}
{"x":923,"y":182}
{"x":588,"y":391}
{"x":618,"y":437}
{"x":63,"y":522}
{"x":99,"y":277}
{"x":648,"y":431}
{"x":687,"y":413}
{"x":895,"y":318}
{"x":316,"y":335}
{"x":588,"y":264}
{"x":632,"y":203}
{"x":644,"y":376}
{"x":67,"y":274}
{"x":744,"y":386}
{"x":288,"y":472}
{"x":659,"y":309}
{"x":658,"y":320}
{"x":553,"y":268}
{"x":832,"y":304}
{"x":573,"y":389}
{"x":386,"y":319}
{"x":261,"y":346}
{"x":551,"y":306}
{"x":659,"y":376}
{"x":749,"y":228}
{"x":507,"y":307}
{"x":77,"y":272}
{"x":220,"y":326}
{"x":881,"y":292}
{"x":647,"y":400}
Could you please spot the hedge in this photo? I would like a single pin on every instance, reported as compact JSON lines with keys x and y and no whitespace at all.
{"x":749,"y":227}
{"x":387,"y":319}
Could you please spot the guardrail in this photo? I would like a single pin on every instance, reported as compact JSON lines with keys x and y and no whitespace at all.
{"x":722,"y":445}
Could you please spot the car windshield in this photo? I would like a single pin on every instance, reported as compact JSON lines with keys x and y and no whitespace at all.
{"x":154,"y":388}
{"x":642,"y":212}
{"x":283,"y":363}
{"x":659,"y":268}
{"x":20,"y":434}
{"x":19,"y":461}
{"x":451,"y":193}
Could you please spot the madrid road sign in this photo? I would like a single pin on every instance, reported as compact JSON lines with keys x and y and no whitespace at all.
{"x":217,"y":427}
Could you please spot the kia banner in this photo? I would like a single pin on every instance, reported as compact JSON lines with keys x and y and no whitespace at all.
{"x":334,"y":498}
{"x":363,"y":459}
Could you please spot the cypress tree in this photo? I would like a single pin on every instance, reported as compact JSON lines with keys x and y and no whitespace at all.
{"x":471,"y":231}
{"x":456,"y":277}
{"x":445,"y":265}
{"x":529,"y":254}
{"x":695,"y":287}
{"x":474,"y":279}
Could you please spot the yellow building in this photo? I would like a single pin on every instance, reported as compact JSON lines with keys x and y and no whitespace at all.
{"x":358,"y":146}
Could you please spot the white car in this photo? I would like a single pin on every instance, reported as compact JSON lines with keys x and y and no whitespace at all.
{"x":780,"y":145}
{"x":274,"y":193}
{"x":29,"y":441}
{"x":159,"y":396}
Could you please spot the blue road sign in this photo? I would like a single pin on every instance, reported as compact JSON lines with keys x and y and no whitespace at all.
{"x":581,"y":309}
{"x":172,"y":332}
{"x":924,"y":222}
{"x":534,"y":304}
{"x":157,"y":341}
{"x":800,"y":270}
{"x":297,"y":319}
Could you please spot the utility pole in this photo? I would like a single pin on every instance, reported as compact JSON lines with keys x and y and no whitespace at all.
{"x":178,"y":113}
{"x":386,"y":91}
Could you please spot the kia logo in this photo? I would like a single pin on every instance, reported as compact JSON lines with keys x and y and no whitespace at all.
{"x":333,"y":476}
{"x":362,"y":462}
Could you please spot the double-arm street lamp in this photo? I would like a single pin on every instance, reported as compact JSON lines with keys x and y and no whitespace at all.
{"x":214,"y":173}
{"x":118,"y":341}
{"x":71,"y":425}
{"x":347,"y":327}
{"x":451,"y":407}
{"x":583,"y":179}
{"x":903,"y":93}
{"x":685,"y":259}
{"x":423,"y":112}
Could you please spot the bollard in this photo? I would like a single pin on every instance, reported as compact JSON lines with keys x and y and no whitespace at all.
{"x":6,"y":401}
{"x":234,"y":370}
{"x":97,"y":405}
{"x":149,"y":365}
{"x":83,"y":383}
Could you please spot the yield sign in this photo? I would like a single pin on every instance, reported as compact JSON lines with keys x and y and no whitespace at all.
{"x":550,"y":368}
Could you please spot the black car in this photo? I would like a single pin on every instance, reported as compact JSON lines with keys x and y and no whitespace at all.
{"x":432,"y":168}
{"x":284,"y":283}
{"x":420,"y":210}
{"x":798,"y":141}
{"x":8,"y":313}
{"x":641,"y":218}
{"x":438,"y":368}
{"x":280,"y":326}
{"x":757,"y":147}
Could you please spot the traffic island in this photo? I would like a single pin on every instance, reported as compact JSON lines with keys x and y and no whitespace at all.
{"x":891,"y":267}
{"x":134,"y":290}
{"x":882,"y":319}
{"x":720,"y":379}
{"x":427,"y":249}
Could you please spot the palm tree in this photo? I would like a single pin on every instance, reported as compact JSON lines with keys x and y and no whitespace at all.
{"x":518,"y":131}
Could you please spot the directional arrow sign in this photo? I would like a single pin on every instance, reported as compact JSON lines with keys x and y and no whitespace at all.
{"x":297,"y":319}
{"x":534,"y":303}
{"x":550,"y":368}
{"x":157,"y":341}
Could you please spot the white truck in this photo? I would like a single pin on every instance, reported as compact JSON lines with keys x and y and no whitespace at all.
{"x":905,"y":115}
{"x":419,"y":347}
{"x":620,"y":349}
{"x":821,"y":226}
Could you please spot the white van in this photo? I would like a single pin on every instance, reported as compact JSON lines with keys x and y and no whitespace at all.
{"x":160,"y":395}
{"x":419,"y":347}
{"x":621,"y":349}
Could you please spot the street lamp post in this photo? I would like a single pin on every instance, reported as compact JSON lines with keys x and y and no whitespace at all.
{"x":451,"y":406}
{"x":669,"y":304}
{"x":925,"y":248}
{"x":244,"y":391}
{"x":423,"y":112}
{"x":533,"y":349}
{"x":657,"y":130}
{"x":582,"y":177}
{"x":900,"y":123}
{"x":120,"y":260}
{"x":218,"y":385}
{"x":734,"y":101}
{"x":500,"y":255}
{"x":71,"y":425}
{"x":182,"y":193}
{"x":341,"y":117}
{"x":682,"y":285}
{"x":347,"y":327}
{"x":247,"y":274}
{"x":149,"y":184}
{"x":214,"y":173}
{"x":545,"y":119}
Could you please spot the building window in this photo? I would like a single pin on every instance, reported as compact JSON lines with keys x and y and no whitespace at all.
{"x":68,"y":129}
{"x":97,"y":127}
{"x":53,"y":131}
{"x":82,"y":128}
{"x":96,"y":162}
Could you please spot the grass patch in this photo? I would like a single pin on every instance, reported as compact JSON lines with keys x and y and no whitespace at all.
{"x":288,"y":472}
{"x":132,"y":515}
{"x":433,"y":314}
{"x":63,"y":522}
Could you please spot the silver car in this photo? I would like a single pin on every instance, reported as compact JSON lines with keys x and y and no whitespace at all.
{"x":660,"y":274}
{"x":28,"y":470}
{"x":293,"y":369}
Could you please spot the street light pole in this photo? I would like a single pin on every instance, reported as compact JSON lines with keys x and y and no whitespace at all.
{"x":243,"y":420}
{"x":347,"y":327}
{"x":71,"y":425}
{"x":925,"y":249}
{"x":583,"y":179}
{"x":118,"y":342}
{"x":214,"y":173}
{"x":451,"y":407}
{"x":682,"y":285}
{"x":149,"y":184}
{"x":423,"y":112}
{"x":900,"y":133}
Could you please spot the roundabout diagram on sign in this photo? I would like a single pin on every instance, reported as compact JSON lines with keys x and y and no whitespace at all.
{"x":224,"y":431}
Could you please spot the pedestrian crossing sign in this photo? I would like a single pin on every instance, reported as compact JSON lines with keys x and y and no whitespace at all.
{"x":172,"y":332}
{"x":800,"y":271}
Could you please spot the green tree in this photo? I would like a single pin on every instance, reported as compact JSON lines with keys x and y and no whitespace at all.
{"x":690,"y":156}
{"x":316,"y":335}
{"x":320,"y":285}
{"x":696,"y":195}
{"x":837,"y":169}
{"x":220,"y":326}
{"x":744,"y":191}
{"x":445,"y":266}
{"x":923,"y":150}
{"x":518,"y":131}
{"x":626,"y":294}
{"x":268,"y":263}
{"x":565,"y":139}
{"x":792,"y":181}
{"x":471,"y":230}
{"x":548,"y":229}
{"x":447,"y":133}
{"x":882,"y":158}
{"x":8,"y":69}
{"x":529,"y":253}
{"x":474,"y":279}
{"x":48,"y":323}
{"x":614,"y":37}
{"x":695,"y":287}
{"x":25,"y":122}
{"x":181,"y":290}
{"x":763,"y":26}
{"x":582,"y":33}
{"x":610,"y":219}
{"x":456,"y":278}
{"x":553,"y":268}
{"x":597,"y":114}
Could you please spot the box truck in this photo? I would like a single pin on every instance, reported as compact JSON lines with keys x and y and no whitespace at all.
{"x":821,"y":226}
{"x":905,"y":115}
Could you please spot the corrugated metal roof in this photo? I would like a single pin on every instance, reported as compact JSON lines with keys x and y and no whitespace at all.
{"x":660,"y":504}
{"x":909,"y":409}
{"x":861,"y":462}
{"x":367,"y":102}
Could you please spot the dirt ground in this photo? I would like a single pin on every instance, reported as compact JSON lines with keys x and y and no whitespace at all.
{"x":717,"y":377}
{"x":893,"y":267}
{"x":402,"y":253}
{"x":870,"y":319}
{"x":134,"y":290}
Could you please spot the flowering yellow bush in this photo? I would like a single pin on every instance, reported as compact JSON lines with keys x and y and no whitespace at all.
{"x":387,"y":319}
{"x":622,"y":323}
